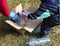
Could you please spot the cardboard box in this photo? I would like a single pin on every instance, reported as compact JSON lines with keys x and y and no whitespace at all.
{"x":29,"y":27}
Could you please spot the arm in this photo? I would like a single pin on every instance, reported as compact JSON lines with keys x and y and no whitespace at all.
{"x":46,"y":4}
{"x":4,"y":9}
{"x":37,"y":13}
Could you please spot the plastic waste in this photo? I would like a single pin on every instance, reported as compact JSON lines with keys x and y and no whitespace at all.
{"x":44,"y":15}
{"x":38,"y":42}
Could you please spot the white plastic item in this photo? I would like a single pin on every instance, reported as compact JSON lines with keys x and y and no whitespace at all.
{"x":38,"y":42}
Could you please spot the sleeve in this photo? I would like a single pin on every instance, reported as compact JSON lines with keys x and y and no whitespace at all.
{"x":37,"y":13}
{"x":4,"y":9}
{"x":42,"y":8}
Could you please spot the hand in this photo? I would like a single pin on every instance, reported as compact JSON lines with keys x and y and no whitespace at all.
{"x":15,"y":17}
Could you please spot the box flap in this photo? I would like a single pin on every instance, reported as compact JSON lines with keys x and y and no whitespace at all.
{"x":19,"y":8}
{"x":32,"y":25}
{"x":18,"y":27}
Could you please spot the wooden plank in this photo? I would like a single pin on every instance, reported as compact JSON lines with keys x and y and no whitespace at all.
{"x":13,"y":24}
{"x":31,"y":26}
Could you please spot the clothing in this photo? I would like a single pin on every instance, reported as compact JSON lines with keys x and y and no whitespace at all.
{"x":46,"y":4}
{"x":53,"y":20}
{"x":4,"y":9}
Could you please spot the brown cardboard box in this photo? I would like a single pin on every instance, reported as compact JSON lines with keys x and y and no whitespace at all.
{"x":29,"y":27}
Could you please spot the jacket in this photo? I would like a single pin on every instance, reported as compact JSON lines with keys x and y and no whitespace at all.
{"x":4,"y":9}
{"x":51,"y":5}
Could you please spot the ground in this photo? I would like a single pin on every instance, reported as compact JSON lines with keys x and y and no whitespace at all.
{"x":10,"y":37}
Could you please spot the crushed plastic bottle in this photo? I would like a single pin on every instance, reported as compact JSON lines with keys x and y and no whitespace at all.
{"x":38,"y":42}
{"x":44,"y":15}
{"x":20,"y":19}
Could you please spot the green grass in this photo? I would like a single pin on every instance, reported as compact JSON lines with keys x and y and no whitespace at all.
{"x":9,"y":37}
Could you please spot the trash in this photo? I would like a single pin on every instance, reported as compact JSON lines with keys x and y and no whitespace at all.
{"x":38,"y":42}
{"x":31,"y":25}
{"x":44,"y":15}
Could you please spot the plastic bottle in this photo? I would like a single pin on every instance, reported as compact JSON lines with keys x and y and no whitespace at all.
{"x":18,"y":19}
{"x":44,"y":15}
{"x":38,"y":42}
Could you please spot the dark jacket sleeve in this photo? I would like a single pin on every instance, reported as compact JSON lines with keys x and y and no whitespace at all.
{"x":37,"y":13}
{"x":42,"y":8}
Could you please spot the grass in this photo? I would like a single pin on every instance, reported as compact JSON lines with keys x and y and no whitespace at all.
{"x":10,"y":37}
